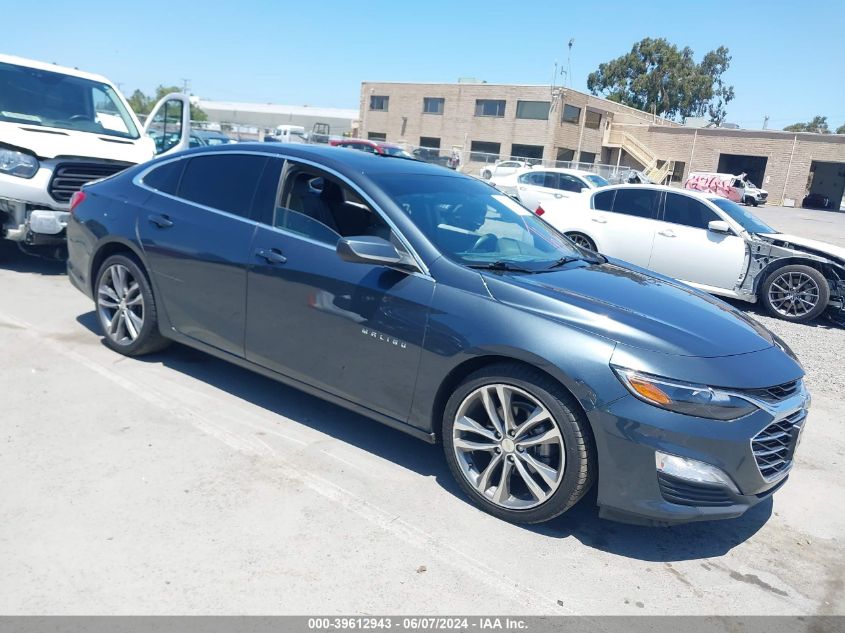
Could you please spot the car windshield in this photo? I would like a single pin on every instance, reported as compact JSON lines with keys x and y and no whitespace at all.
{"x":597,"y":180}
{"x":745,"y":219}
{"x":395,"y":151}
{"x":216,"y":140}
{"x":474,"y":224}
{"x":50,"y":99}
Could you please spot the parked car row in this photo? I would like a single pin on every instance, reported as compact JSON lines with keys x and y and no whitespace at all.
{"x":431,"y":302}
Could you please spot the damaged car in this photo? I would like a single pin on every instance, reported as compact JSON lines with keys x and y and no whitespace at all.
{"x":710,"y":242}
{"x":61,"y":128}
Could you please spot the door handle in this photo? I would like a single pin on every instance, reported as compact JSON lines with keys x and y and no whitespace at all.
{"x":667,"y":233}
{"x":161,"y":221}
{"x":558,"y":195}
{"x":271,"y":255}
{"x":600,"y":220}
{"x":522,"y":188}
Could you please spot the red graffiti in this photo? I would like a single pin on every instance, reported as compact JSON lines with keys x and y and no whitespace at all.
{"x":713,"y":184}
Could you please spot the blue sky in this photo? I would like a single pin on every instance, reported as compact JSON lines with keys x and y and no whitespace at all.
{"x":787,"y":56}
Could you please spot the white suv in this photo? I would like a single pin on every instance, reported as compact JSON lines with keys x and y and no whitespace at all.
{"x":709,"y":242}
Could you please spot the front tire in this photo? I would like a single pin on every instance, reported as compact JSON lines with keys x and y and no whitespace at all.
{"x":518,"y":444}
{"x":795,"y":293}
{"x":126,"y":308}
{"x":486,"y":174}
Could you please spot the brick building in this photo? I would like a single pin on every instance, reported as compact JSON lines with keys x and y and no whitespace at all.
{"x":488,"y":121}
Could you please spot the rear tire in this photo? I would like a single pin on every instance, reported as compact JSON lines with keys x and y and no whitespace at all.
{"x":486,"y":174}
{"x":795,"y":293}
{"x":126,"y":308}
{"x":539,"y":462}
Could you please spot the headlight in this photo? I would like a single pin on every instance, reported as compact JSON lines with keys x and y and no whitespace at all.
{"x":18,"y":163}
{"x":682,"y":397}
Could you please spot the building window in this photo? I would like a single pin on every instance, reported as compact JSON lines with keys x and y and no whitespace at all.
{"x":588,"y":157}
{"x":677,"y":174}
{"x":430,"y":141}
{"x":565,"y":154}
{"x":592,"y":120}
{"x":489,"y":107}
{"x":521,"y":152}
{"x":532,"y":110}
{"x":379,"y":103}
{"x":570,"y":114}
{"x":433,"y":105}
{"x":484,"y":151}
{"x":377,"y":136}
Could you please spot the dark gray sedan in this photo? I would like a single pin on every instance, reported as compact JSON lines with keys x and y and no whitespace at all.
{"x":431,"y":302}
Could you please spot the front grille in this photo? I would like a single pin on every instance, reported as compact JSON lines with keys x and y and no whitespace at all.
{"x":763,"y":196}
{"x":687,"y":493}
{"x":68,"y":178}
{"x":776,"y":394}
{"x":774,"y":446}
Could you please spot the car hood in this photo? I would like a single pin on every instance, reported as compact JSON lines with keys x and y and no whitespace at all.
{"x":47,"y":142}
{"x":822,"y":247}
{"x":633,"y":307}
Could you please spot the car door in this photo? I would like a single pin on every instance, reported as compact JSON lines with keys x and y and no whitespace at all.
{"x":196,"y":233}
{"x":169,"y":123}
{"x":534,"y":186}
{"x":354,"y":330}
{"x":625,"y":219}
{"x":684,"y":248}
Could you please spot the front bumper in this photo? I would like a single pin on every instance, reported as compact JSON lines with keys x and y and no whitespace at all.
{"x":628,"y":432}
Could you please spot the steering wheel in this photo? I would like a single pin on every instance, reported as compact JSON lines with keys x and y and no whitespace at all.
{"x":486,"y":243}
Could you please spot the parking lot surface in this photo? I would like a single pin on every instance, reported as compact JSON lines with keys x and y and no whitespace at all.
{"x":178,"y":483}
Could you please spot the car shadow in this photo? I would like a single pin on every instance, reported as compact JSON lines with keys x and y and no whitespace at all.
{"x":684,"y":542}
{"x":12,"y":258}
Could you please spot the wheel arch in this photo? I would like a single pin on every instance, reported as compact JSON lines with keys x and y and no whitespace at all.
{"x":795,"y":260}
{"x":458,"y":373}
{"x":113,"y":247}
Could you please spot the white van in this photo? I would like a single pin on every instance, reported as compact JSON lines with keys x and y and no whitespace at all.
{"x":289,"y":134}
{"x":61,"y":128}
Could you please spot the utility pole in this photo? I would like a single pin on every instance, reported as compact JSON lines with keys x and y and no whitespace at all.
{"x":569,"y":61}
{"x":766,"y":122}
{"x":185,"y":83}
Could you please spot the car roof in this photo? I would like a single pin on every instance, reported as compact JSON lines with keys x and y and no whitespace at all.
{"x":701,"y":195}
{"x":54,"y":68}
{"x":566,"y":170}
{"x":341,"y":160}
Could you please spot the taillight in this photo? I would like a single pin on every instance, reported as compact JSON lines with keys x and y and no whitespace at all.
{"x":76,"y":199}
{"x":539,"y":211}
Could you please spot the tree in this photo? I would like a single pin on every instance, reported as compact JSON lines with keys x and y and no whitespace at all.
{"x":142,"y":104}
{"x":657,"y":76}
{"x":841,"y":129}
{"x":817,"y":125}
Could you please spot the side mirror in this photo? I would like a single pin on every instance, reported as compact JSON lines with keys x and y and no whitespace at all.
{"x":365,"y":249}
{"x":719,"y":226}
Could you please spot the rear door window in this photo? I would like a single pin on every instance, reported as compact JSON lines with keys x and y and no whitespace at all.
{"x":222,"y":181}
{"x":165,"y":178}
{"x":642,"y":203}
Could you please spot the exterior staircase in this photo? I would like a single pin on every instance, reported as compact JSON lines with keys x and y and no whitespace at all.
{"x":652,"y":167}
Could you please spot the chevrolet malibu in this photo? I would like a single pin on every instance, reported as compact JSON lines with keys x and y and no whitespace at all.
{"x":431,"y":302}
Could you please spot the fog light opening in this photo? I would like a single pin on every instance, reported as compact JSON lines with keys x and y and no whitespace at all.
{"x":692,"y":470}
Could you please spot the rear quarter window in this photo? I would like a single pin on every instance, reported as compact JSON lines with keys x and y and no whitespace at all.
{"x":223,"y":181}
{"x":166,"y":177}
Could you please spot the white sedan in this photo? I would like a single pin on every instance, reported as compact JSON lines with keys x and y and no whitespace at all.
{"x":541,"y":184}
{"x":708,"y":242}
{"x":503,"y":168}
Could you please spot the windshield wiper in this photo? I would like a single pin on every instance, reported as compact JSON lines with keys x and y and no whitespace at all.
{"x":563,"y":261}
{"x":502,"y":265}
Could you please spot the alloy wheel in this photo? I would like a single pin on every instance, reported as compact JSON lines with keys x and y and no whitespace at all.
{"x":120,"y":304}
{"x":508,"y":446}
{"x":794,"y":294}
{"x":581,"y":240}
